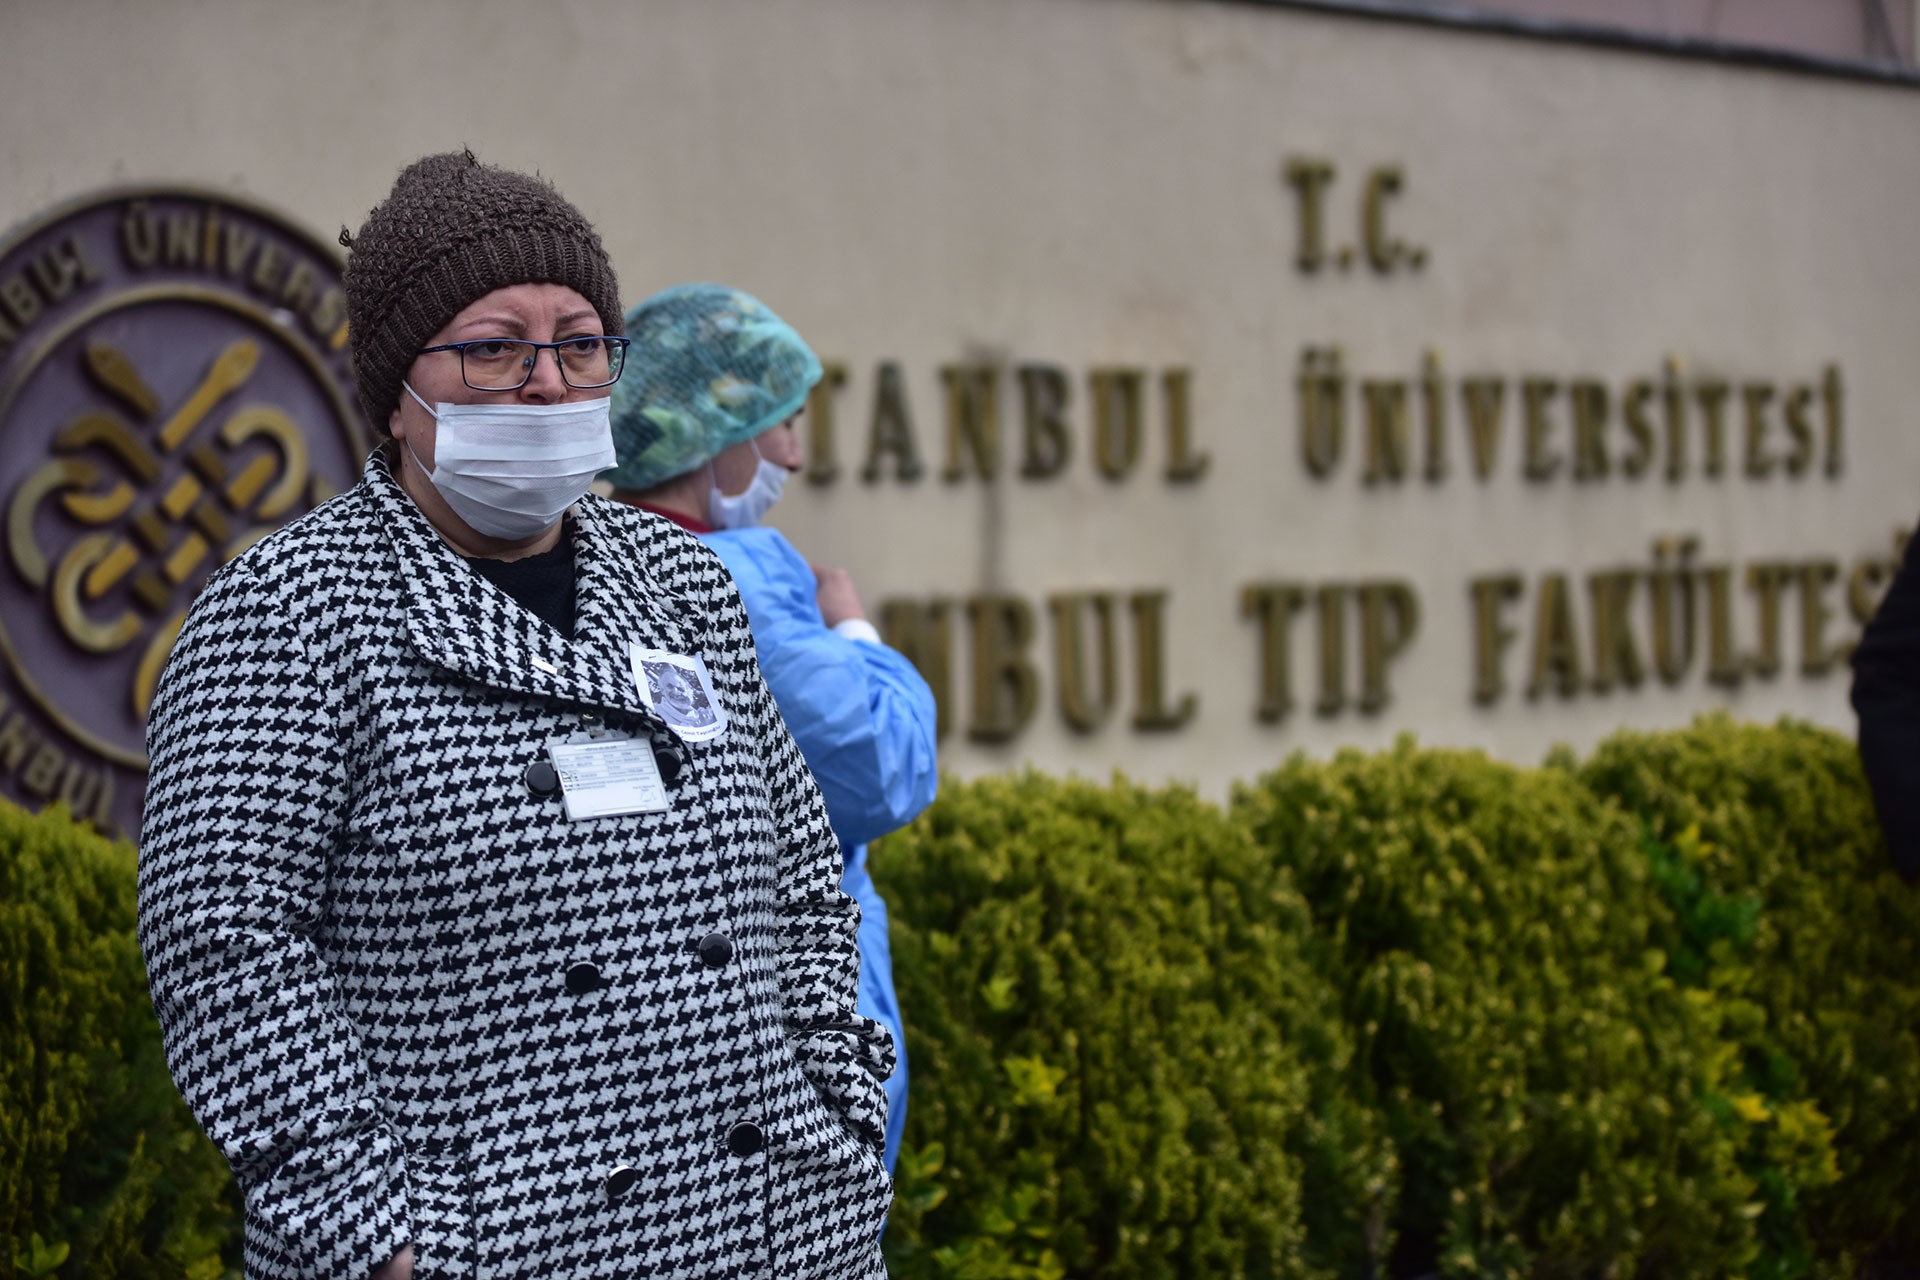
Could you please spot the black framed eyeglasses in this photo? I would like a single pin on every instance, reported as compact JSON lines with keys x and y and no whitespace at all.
{"x":505,"y":364}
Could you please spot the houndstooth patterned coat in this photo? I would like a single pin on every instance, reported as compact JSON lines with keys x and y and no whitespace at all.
{"x":412,"y":1002}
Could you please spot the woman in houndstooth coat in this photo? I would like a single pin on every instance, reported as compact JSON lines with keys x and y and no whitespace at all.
{"x":440,"y":1021}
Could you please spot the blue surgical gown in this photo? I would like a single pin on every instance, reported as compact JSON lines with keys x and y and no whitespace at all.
{"x":864,"y":720}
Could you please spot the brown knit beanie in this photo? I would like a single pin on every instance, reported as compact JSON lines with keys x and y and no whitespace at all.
{"x":451,"y":231}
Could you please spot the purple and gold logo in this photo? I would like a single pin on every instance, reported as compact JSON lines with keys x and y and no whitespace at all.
{"x":173,"y":386}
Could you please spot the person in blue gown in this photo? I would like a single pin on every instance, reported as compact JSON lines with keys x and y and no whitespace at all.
{"x":703,"y":426}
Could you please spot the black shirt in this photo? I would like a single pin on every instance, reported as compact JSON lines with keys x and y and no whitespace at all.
{"x":542,"y":584}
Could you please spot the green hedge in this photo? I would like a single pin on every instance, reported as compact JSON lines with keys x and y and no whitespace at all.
{"x":1654,"y":1013}
{"x":1490,"y":931}
{"x":1790,"y":925}
{"x":1417,"y":1012}
{"x":1117,"y":1046}
{"x":104,"y":1173}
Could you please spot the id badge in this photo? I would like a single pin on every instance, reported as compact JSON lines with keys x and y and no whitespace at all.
{"x":604,"y":776}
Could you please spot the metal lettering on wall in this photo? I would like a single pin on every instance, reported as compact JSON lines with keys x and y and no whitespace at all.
{"x":173,"y":386}
{"x":1691,"y":610}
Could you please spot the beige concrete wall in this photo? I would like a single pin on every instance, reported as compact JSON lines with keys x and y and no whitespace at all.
{"x":1088,"y":184}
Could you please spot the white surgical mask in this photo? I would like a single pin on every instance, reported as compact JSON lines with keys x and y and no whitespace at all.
{"x":510,"y":470}
{"x":749,"y":507}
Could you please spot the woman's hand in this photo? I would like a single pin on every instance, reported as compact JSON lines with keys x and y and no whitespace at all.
{"x":838,"y":600}
{"x":398,"y":1267}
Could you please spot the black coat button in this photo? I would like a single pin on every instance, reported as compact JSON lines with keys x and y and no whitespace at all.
{"x":667,"y":760}
{"x":542,"y":780}
{"x":621,"y":1181}
{"x":745,"y":1139}
{"x":715,"y":950}
{"x":583,"y":978}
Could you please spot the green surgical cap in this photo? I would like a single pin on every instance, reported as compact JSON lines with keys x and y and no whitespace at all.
{"x":709,"y":367}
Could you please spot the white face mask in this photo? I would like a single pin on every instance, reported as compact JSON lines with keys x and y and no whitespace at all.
{"x":748,"y":508}
{"x":510,"y":470}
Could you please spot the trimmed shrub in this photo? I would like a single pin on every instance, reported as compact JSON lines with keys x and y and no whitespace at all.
{"x":1655,"y":1014}
{"x":1119,"y":1057}
{"x":104,"y":1172}
{"x":1411,"y":1014}
{"x":1494,"y":937}
{"x":1791,"y":922}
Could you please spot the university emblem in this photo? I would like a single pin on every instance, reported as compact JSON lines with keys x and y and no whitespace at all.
{"x":173,"y":386}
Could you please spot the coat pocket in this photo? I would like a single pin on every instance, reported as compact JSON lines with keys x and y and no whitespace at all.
{"x":818,"y":1158}
{"x":440,"y":1197}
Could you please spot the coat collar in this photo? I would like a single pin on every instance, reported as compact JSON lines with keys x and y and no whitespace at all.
{"x":458,"y":620}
